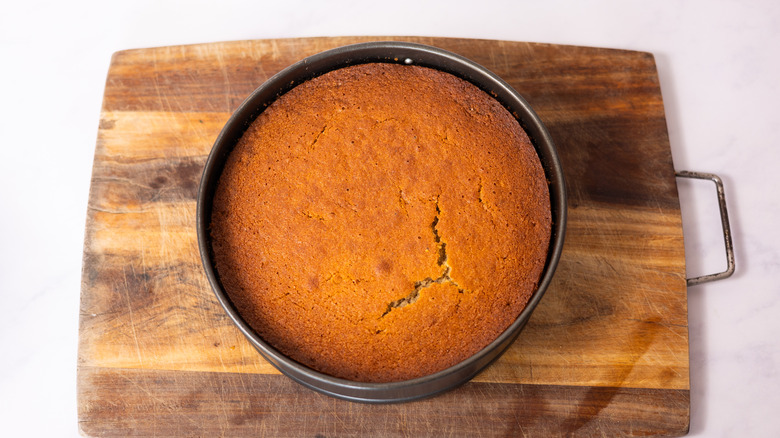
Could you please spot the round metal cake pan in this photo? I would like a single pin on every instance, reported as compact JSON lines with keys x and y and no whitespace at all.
{"x":390,"y":52}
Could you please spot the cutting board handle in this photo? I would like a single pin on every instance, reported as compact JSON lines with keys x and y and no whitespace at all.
{"x":724,"y":220}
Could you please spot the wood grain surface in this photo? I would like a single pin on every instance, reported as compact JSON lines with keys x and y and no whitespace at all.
{"x":605,"y":353}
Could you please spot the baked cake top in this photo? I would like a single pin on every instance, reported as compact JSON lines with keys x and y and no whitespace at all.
{"x":381,"y":222}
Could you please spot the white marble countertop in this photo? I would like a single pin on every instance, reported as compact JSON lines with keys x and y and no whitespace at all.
{"x":718,"y":62}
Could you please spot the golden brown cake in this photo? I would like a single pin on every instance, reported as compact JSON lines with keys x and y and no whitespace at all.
{"x":381,"y":222}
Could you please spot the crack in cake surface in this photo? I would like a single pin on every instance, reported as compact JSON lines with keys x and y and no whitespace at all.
{"x":444,"y":278}
{"x":317,"y":137}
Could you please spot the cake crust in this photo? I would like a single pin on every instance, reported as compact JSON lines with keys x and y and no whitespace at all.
{"x":381,"y":222}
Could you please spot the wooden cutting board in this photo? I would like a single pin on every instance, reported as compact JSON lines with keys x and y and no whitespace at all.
{"x":605,"y":353}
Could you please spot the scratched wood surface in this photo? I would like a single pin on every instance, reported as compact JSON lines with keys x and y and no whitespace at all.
{"x":605,"y":353}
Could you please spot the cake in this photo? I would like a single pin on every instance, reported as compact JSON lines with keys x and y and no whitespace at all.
{"x":381,"y":222}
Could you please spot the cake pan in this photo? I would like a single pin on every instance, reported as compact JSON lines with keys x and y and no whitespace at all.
{"x":390,"y":52}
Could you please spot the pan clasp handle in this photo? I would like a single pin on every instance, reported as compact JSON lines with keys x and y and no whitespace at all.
{"x":724,"y":220}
